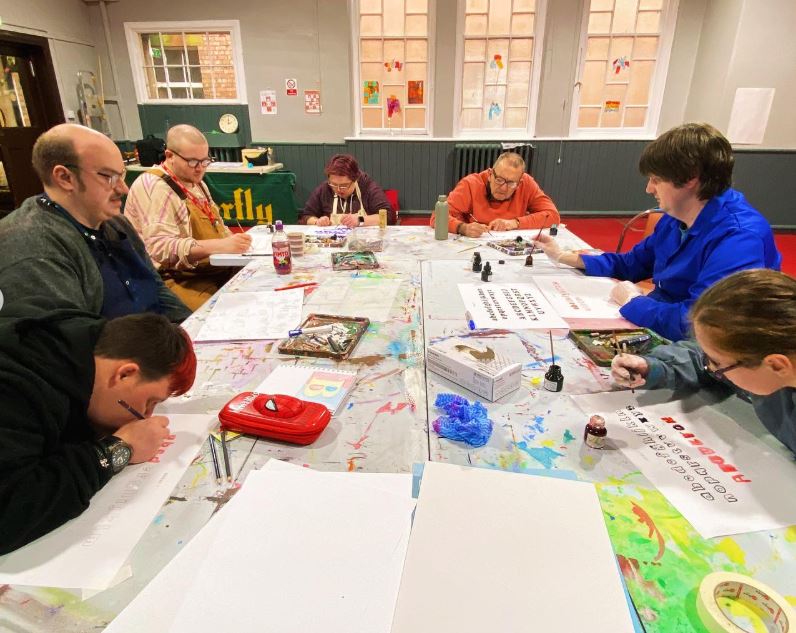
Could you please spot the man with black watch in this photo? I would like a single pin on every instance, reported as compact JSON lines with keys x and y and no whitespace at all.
{"x":76,"y":407}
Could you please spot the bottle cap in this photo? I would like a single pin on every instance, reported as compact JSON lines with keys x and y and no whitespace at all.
{"x":442,"y":198}
{"x":597,"y":420}
{"x":278,"y":225}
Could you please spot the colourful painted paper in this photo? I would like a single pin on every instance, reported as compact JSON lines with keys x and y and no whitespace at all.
{"x":621,"y":63}
{"x":393,"y":64}
{"x":497,"y":62}
{"x":494,"y":110}
{"x":370,"y":92}
{"x":415,"y":94}
{"x":611,"y":106}
{"x":393,"y":106}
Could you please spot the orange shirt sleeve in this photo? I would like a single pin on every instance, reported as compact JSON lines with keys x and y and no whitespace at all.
{"x":541,"y":210}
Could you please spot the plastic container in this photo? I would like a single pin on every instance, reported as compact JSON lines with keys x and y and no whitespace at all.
{"x":280,"y":247}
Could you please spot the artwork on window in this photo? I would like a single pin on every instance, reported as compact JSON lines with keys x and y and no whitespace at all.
{"x":494,"y":111}
{"x":415,"y":94}
{"x":393,"y":106}
{"x":393,"y":64}
{"x":621,"y":63}
{"x":370,"y":92}
{"x":497,"y":62}
{"x":611,"y":106}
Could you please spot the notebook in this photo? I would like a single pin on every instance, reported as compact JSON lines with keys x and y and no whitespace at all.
{"x":328,"y":386}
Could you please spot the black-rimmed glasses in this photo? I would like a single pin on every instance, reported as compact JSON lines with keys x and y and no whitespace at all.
{"x":193,"y":163}
{"x":714,"y":370}
{"x":502,"y":182}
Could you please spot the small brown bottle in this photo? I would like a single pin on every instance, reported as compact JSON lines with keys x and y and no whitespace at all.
{"x":595,"y":432}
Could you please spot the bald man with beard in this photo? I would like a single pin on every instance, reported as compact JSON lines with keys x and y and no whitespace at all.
{"x":172,"y":210}
{"x":70,"y":247}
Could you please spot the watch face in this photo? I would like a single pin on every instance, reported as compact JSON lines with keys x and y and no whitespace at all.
{"x":120,"y":455}
{"x":228,"y":123}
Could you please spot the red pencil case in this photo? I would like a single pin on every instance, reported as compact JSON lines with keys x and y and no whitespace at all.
{"x":276,"y":417}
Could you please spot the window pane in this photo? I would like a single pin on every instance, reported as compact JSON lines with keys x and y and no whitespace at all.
{"x":612,"y":118}
{"x":524,"y":5}
{"x":597,"y":48}
{"x":591,"y":91}
{"x":600,"y":23}
{"x":521,"y":49}
{"x":517,"y":95}
{"x":371,"y":117}
{"x":522,"y":24}
{"x":193,"y":55}
{"x":370,"y":51}
{"x":470,"y":119}
{"x":415,"y":72}
{"x":474,"y":50}
{"x":417,"y":50}
{"x":516,"y":118}
{"x":370,"y":25}
{"x":519,"y":72}
{"x":416,"y":118}
{"x":650,"y":4}
{"x":175,"y":74}
{"x":476,"y":6}
{"x":372,"y":72}
{"x":196,"y":74}
{"x":635,"y":117}
{"x":198,"y":93}
{"x":396,"y":121}
{"x":602,"y":5}
{"x":160,"y":74}
{"x":370,"y":6}
{"x":151,"y":83}
{"x":624,"y":16}
{"x":499,"y":17}
{"x":416,"y":25}
{"x":179,"y":93}
{"x":648,"y":22}
{"x":473,"y":85}
{"x":163,"y":93}
{"x":494,"y":104}
{"x":393,"y":17}
{"x":640,"y":75}
{"x":497,"y":60}
{"x":394,"y":51}
{"x":416,"y":6}
{"x":589,"y":117}
{"x":475,"y":25}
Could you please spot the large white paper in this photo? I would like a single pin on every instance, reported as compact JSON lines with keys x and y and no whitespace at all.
{"x":749,"y":116}
{"x":718,"y":475}
{"x":311,"y":554}
{"x":509,"y":306}
{"x":165,"y":594}
{"x":252,"y":316}
{"x":498,"y":551}
{"x":370,"y":295}
{"x":579,"y":297}
{"x":88,"y":551}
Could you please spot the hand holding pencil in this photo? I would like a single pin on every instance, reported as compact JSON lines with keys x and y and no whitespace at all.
{"x":629,"y":370}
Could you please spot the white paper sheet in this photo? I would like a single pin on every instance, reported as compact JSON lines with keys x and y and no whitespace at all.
{"x":166,"y":593}
{"x":370,"y":295}
{"x":510,"y":306}
{"x":88,"y":551}
{"x":309,"y":553}
{"x":498,"y":551}
{"x":749,"y":117}
{"x":579,"y":297}
{"x":718,"y":475}
{"x":253,"y":316}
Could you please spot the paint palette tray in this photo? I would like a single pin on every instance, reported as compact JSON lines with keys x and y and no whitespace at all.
{"x":338,"y":344}
{"x":354,"y":260}
{"x":328,"y":237}
{"x":599,"y":344}
{"x":514,"y":247}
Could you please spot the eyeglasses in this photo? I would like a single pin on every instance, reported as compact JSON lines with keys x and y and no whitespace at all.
{"x":193,"y":163}
{"x":502,"y":182}
{"x":718,"y":372}
{"x":111,"y":179}
{"x":344,"y":187}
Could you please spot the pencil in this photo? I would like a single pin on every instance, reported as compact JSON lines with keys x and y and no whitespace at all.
{"x":304,"y":285}
{"x":225,"y":454}
{"x":131,"y":410}
{"x":214,"y":455}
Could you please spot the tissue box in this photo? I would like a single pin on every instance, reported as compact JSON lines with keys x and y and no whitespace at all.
{"x":476,"y":365}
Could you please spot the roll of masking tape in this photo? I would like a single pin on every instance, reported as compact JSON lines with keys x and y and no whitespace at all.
{"x":770,"y":607}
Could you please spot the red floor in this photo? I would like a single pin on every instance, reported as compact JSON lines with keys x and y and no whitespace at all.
{"x":603,"y":233}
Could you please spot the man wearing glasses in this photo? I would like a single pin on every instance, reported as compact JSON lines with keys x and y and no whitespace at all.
{"x":70,"y":247}
{"x":503,"y":198}
{"x":180,"y":224}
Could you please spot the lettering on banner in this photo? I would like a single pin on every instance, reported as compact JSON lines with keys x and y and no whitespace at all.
{"x":692,"y":470}
{"x":572,"y":302}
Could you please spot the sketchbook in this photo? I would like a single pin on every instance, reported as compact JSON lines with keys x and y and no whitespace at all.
{"x":328,"y":386}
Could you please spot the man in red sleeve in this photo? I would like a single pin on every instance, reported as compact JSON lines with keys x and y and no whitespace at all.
{"x":503,"y":198}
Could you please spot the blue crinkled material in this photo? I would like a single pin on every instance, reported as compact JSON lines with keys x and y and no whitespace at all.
{"x":462,"y":421}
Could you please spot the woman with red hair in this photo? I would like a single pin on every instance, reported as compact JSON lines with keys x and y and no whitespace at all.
{"x":347,"y":195}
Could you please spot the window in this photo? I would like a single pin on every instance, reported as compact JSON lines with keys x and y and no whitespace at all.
{"x":186,"y":61}
{"x":624,"y":57}
{"x":392,"y":75}
{"x":499,"y":43}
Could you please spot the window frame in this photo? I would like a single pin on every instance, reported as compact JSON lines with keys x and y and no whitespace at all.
{"x":384,"y":133}
{"x":540,"y":16}
{"x":133,"y":32}
{"x":657,"y":84}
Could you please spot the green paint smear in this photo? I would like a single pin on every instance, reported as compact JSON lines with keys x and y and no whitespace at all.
{"x":568,"y":437}
{"x":664,"y":591}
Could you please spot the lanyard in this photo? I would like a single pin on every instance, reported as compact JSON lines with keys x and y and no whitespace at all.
{"x":203,"y":205}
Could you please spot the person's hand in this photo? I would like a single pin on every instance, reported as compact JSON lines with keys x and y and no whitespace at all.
{"x":349,"y":219}
{"x":549,"y":246}
{"x":624,"y":291}
{"x":473,"y":229}
{"x":237,"y":243}
{"x":323,"y":221}
{"x":500,"y":224}
{"x":144,"y":436}
{"x":629,"y":371}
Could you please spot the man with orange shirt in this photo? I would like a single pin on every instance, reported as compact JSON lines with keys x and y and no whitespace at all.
{"x":503,"y":198}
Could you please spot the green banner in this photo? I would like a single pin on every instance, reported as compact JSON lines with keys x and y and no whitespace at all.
{"x":250,"y":198}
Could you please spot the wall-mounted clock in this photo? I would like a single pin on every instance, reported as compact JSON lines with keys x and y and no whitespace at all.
{"x":228,"y":123}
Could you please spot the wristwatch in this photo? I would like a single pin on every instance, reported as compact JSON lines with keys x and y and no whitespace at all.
{"x":113,"y":453}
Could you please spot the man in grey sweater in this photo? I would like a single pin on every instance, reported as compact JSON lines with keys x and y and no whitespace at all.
{"x":70,"y":247}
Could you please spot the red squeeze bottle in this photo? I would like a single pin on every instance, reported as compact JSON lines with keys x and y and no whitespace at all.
{"x":280,"y":247}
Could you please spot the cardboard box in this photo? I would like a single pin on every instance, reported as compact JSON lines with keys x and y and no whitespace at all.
{"x":475,"y":365}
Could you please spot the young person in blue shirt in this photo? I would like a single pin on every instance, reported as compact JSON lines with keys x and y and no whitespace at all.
{"x":708,"y":232}
{"x":745,"y":329}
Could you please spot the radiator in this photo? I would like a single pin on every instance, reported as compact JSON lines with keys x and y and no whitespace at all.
{"x":470,"y":158}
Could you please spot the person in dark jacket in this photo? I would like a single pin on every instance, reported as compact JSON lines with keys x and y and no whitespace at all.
{"x":70,"y":245}
{"x":65,"y":379}
{"x":745,"y":328}
{"x":347,"y":195}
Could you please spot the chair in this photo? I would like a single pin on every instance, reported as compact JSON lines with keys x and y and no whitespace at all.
{"x":652,"y":216}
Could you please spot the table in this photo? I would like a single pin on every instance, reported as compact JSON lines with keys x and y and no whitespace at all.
{"x":249,"y":195}
{"x":384,"y":427}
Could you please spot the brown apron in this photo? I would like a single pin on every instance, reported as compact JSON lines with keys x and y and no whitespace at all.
{"x":197,"y":285}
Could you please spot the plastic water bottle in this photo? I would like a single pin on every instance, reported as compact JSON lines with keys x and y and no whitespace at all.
{"x":441,"y":218}
{"x":280,"y":247}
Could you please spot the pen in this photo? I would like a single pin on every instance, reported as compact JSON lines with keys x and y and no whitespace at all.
{"x":631,"y":373}
{"x":214,"y":455}
{"x":318,"y":329}
{"x":469,"y":318}
{"x":131,"y":410}
{"x":225,"y":453}
{"x":309,"y":283}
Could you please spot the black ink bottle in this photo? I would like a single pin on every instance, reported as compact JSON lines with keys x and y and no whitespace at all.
{"x":486,"y":273}
{"x":553,"y":378}
{"x":595,"y":432}
{"x":553,"y":230}
{"x":529,"y":260}
{"x":476,"y":262}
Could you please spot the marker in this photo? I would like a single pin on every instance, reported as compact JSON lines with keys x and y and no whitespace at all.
{"x":469,"y":318}
{"x":306,"y":285}
{"x":318,"y":329}
{"x":131,"y":410}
